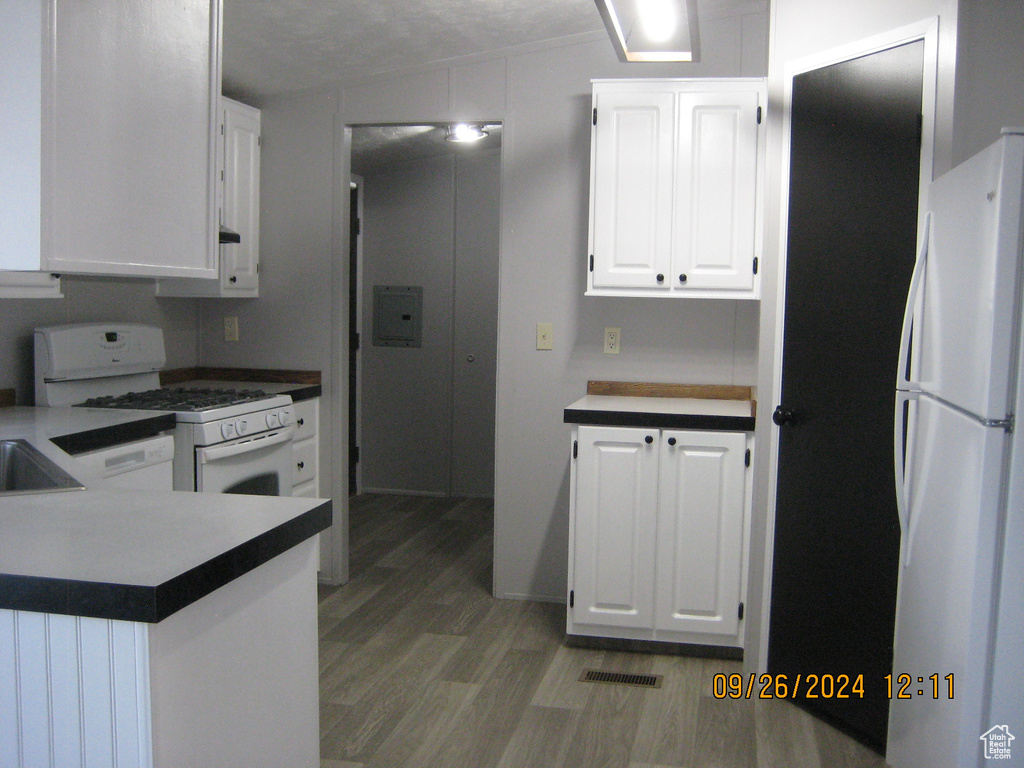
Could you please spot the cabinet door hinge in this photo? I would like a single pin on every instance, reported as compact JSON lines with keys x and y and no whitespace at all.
{"x":595,"y":115}
{"x":259,"y":141}
{"x":740,"y":612}
{"x":591,"y":262}
{"x":357,"y":226}
{"x":575,"y":449}
{"x":746,"y":458}
{"x":758,"y":115}
{"x":755,"y":265}
{"x":572,"y":598}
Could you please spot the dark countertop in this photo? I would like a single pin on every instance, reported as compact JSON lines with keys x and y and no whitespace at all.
{"x":662,"y":413}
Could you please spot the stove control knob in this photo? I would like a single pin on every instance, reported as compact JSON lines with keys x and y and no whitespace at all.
{"x":286,"y":417}
{"x":241,"y":426}
{"x":227,"y":430}
{"x":273,"y":420}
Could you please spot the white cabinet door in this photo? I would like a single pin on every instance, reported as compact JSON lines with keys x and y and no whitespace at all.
{"x":130,"y":94}
{"x":241,"y":212}
{"x":700,"y":532}
{"x":615,"y":525}
{"x":716,"y":191}
{"x":631,"y":189}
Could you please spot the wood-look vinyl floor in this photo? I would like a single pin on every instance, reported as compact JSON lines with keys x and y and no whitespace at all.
{"x":421,"y":668}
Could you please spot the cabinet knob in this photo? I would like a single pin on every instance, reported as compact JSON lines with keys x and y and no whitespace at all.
{"x":234,"y":279}
{"x":300,"y":422}
{"x":682,"y":278}
{"x":661,"y":278}
{"x":671,"y":441}
{"x":301,"y":464}
{"x":648,"y":439}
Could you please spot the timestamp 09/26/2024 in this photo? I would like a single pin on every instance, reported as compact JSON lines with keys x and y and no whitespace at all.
{"x":827,"y":686}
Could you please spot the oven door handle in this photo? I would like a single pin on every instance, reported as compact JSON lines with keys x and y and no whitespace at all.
{"x":218,"y":452}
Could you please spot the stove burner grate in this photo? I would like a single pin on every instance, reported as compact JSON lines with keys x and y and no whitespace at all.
{"x":177,"y":399}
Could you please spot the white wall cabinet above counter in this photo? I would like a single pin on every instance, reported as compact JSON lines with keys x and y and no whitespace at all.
{"x":105,"y":154}
{"x":675,"y":188}
{"x":236,"y":181}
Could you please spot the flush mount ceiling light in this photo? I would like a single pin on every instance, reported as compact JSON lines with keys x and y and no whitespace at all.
{"x":652,"y":30}
{"x":464,"y":132}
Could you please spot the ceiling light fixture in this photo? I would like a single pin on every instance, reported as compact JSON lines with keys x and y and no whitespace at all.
{"x":464,"y":132}
{"x":652,"y":30}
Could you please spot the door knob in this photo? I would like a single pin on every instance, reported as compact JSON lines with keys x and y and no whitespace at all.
{"x":470,"y":358}
{"x":783,"y":416}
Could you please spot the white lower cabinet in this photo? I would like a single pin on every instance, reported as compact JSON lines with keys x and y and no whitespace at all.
{"x":306,"y":449}
{"x":659,"y":524}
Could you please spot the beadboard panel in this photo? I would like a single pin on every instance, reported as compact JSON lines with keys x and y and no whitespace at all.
{"x":74,"y":692}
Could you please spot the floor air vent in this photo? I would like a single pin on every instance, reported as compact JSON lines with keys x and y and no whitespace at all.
{"x":620,"y":678}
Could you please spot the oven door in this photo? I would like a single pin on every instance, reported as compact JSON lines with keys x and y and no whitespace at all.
{"x":259,"y":465}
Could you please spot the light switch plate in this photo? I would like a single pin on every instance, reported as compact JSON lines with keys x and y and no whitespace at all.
{"x":612,"y":337}
{"x":545,"y":336}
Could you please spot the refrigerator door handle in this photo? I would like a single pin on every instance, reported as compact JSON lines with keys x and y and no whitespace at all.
{"x":903,"y":380}
{"x":902,"y":457}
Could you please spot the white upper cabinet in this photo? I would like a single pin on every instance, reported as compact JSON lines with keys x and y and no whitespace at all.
{"x":675,"y":188}
{"x":236,"y":181}
{"x":114,"y":126}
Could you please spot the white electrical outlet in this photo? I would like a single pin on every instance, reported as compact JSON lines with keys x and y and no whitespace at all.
{"x":611,"y":340}
{"x":545,"y":336}
{"x":230,"y":329}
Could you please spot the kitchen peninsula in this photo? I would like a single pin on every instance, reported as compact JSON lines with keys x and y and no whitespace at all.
{"x":155,"y":628}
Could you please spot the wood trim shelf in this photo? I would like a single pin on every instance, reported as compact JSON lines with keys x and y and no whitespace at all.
{"x":180,"y":375}
{"x":697,"y":391}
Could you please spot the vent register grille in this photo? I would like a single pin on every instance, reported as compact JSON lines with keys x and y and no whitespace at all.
{"x":620,"y":678}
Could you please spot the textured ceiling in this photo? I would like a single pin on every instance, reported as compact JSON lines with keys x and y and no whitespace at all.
{"x":273,"y":46}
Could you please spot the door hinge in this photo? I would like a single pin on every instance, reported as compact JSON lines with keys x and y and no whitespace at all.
{"x":755,"y":265}
{"x":758,"y":115}
{"x":595,"y":115}
{"x":572,"y":598}
{"x":358,"y":226}
{"x":591,"y":262}
{"x":259,"y":141}
{"x":740,"y":612}
{"x":746,"y":458}
{"x":575,"y":449}
{"x":222,"y":129}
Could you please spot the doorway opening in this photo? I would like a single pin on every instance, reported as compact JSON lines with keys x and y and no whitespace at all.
{"x":423,"y":247}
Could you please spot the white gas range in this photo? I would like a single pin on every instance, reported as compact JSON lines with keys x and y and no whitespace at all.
{"x":226,"y":440}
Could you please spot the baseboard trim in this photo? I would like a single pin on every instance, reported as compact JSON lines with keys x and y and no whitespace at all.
{"x":655,"y":646}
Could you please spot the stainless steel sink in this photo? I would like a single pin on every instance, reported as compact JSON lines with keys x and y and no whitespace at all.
{"x":24,"y":469}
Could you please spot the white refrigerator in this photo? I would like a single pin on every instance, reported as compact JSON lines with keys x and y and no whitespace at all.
{"x":957,"y":687}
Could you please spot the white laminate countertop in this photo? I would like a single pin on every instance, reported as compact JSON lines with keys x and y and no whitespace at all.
{"x":130,"y":537}
{"x":130,"y":554}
